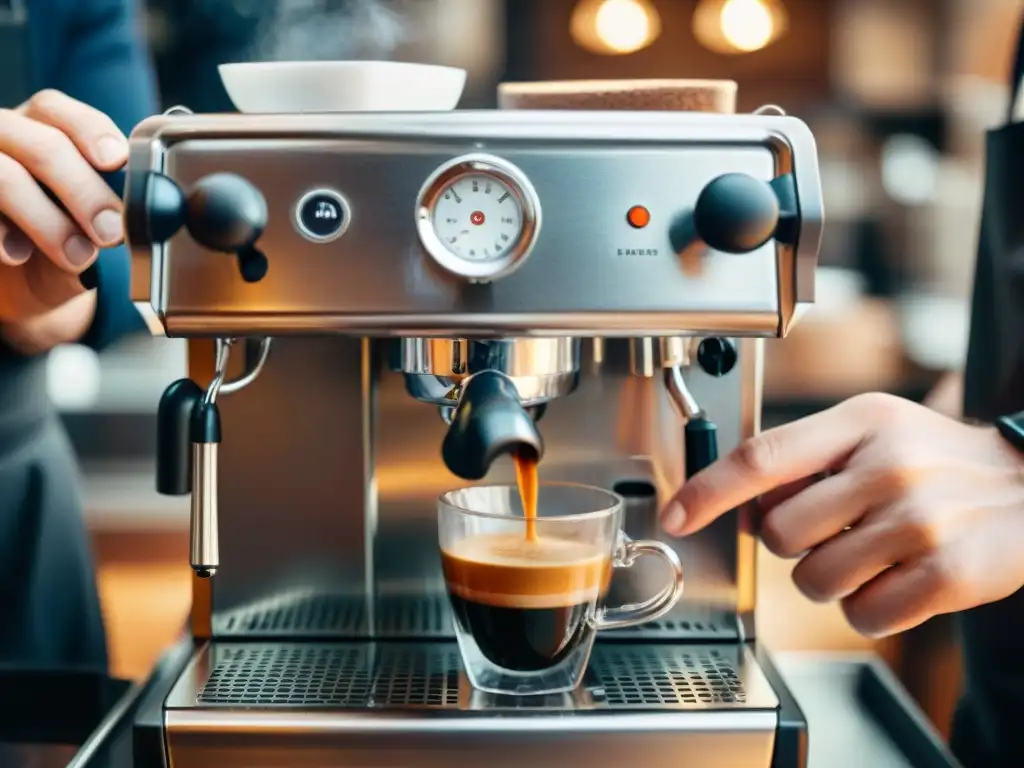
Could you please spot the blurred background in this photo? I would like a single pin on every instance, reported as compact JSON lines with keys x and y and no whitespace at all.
{"x":899,"y":95}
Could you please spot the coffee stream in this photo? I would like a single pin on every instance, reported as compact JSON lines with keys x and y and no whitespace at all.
{"x":526,"y":478}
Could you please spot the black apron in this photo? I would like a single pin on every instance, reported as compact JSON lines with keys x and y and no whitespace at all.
{"x":988,"y":729}
{"x":15,"y":75}
{"x":49,"y":608}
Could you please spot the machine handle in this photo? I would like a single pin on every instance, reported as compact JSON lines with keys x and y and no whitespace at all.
{"x":173,"y":437}
{"x":700,"y":437}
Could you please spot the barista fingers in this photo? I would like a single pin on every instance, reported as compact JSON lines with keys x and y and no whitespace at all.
{"x":53,"y":148}
{"x":921,"y":514}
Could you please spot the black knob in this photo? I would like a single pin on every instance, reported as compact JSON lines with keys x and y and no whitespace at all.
{"x":252,"y":264}
{"x":736,"y":213}
{"x":222,"y":212}
{"x":225,"y":213}
{"x":173,"y":437}
{"x":700,"y":439}
{"x":488,"y":422}
{"x":155,"y":208}
{"x":716,"y":356}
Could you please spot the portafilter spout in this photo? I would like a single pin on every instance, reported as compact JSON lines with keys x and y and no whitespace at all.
{"x":490,"y":392}
{"x":489,"y":421}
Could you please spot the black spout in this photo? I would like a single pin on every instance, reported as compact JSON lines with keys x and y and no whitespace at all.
{"x":173,"y":446}
{"x":488,"y":422}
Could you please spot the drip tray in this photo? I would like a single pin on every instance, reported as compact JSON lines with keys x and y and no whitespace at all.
{"x":428,"y":675}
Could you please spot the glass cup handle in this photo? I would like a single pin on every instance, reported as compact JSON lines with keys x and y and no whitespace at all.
{"x":655,"y":607}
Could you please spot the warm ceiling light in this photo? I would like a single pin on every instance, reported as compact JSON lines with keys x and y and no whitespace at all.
{"x":614,"y":27}
{"x":739,"y":26}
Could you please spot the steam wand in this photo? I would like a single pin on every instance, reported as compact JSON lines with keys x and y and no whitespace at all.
{"x":205,"y":436}
{"x":188,"y":438}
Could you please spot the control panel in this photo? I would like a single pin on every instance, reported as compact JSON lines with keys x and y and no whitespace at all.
{"x":537,"y":223}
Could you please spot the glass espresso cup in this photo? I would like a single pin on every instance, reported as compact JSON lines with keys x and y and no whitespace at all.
{"x":528,"y":607}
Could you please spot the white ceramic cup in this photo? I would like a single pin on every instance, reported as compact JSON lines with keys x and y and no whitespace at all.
{"x":289,"y":87}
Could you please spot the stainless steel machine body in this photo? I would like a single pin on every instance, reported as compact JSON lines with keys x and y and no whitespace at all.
{"x":323,"y":637}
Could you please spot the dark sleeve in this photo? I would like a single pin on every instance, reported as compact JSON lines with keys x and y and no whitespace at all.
{"x":105,"y":64}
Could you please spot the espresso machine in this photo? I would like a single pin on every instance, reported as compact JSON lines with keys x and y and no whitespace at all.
{"x":381,"y":306}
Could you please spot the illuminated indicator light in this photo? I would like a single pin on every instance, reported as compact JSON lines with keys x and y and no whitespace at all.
{"x":638,"y":217}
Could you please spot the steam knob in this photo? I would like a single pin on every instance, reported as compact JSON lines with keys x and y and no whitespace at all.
{"x":222,"y":212}
{"x":164,"y":206}
{"x":489,"y":421}
{"x":225,"y":213}
{"x":736,"y":213}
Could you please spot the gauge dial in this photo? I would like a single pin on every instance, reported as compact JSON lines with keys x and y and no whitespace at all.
{"x":478,"y":217}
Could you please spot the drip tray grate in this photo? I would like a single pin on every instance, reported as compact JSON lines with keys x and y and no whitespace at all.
{"x":339,"y":615}
{"x":344,"y":616}
{"x":361,"y":675}
{"x":333,"y":676}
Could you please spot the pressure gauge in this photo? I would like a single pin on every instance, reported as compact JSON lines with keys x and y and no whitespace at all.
{"x":478,"y":217}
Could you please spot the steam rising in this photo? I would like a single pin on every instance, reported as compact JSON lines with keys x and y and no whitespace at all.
{"x":334,"y":29}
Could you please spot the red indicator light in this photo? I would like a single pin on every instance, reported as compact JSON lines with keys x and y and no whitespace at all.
{"x":638,"y":217}
{"x":476,"y":217}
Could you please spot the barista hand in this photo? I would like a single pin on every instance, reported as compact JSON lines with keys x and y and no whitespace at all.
{"x":916,"y":515}
{"x":55,"y":142}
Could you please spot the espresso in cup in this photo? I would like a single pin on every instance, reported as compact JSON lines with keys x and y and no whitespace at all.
{"x":525,"y":601}
{"x":527,"y":586}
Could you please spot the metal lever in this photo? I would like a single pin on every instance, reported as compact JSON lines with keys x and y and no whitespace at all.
{"x":204,"y":545}
{"x":205,"y":435}
{"x":700,"y":435}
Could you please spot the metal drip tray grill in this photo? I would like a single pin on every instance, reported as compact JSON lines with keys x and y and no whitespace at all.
{"x":381,"y":675}
{"x":669,"y":676}
{"x":333,"y":676}
{"x":344,"y":616}
{"x":339,"y":616}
